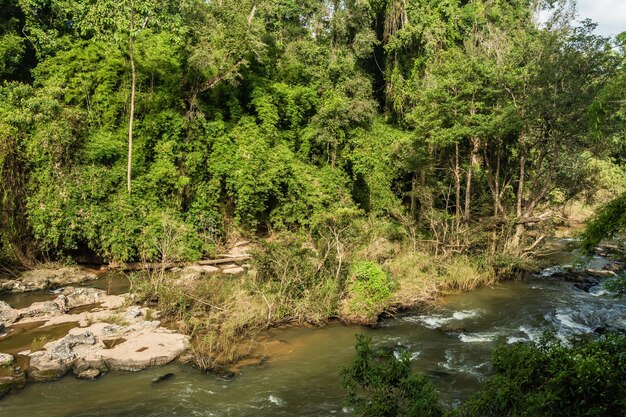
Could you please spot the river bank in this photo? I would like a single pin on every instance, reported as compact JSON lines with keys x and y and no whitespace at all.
{"x":88,"y":331}
{"x":452,"y":344}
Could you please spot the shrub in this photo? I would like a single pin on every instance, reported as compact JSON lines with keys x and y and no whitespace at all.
{"x":379,"y":385}
{"x":369,"y":289}
{"x":550,"y":378}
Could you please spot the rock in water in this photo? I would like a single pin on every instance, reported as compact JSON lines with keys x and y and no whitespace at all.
{"x":163,"y":378}
{"x":88,"y":374}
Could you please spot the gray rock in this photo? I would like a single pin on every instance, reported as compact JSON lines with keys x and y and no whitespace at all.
{"x":43,"y":310}
{"x":8,"y":315}
{"x":63,"y":351}
{"x":132,"y":313}
{"x":79,"y":297}
{"x":6,"y":359}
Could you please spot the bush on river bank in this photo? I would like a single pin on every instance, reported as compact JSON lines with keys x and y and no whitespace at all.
{"x":548,"y":378}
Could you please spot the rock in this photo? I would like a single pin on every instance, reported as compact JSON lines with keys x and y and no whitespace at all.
{"x":6,"y":359}
{"x":240,"y":248}
{"x":132,"y":313}
{"x":79,"y":297}
{"x":63,"y":349}
{"x":8,"y":315}
{"x":42,"y":368}
{"x":39,"y":279}
{"x":586,"y":286}
{"x":42,"y":310}
{"x":88,"y":374}
{"x":452,"y":328}
{"x":162,"y":378}
{"x":233,"y":270}
{"x":140,"y":345}
{"x":200,"y":269}
{"x":12,"y":382}
{"x":7,"y":285}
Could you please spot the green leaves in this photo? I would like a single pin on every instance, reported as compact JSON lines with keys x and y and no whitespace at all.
{"x":381,"y":385}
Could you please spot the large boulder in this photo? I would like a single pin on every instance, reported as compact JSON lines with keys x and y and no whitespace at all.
{"x":40,"y":311}
{"x":78,"y":297}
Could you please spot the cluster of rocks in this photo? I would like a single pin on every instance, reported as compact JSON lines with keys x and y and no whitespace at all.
{"x":58,"y":311}
{"x":583,"y":279}
{"x":41,"y":279}
{"x":103,"y":347}
{"x":111,"y":336}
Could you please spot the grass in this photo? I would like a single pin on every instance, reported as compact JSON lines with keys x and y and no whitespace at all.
{"x":117,"y":319}
{"x":423,"y":278}
{"x":38,"y":343}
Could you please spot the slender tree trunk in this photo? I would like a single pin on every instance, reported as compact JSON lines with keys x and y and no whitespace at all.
{"x":520,"y":229}
{"x":413,"y":194}
{"x":473,"y":162}
{"x":457,"y":184}
{"x":496,"y":197}
{"x":132,"y":97}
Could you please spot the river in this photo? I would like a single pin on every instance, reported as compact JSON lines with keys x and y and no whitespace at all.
{"x":451,"y":344}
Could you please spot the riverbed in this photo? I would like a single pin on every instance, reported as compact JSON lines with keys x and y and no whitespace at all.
{"x":452,"y":344}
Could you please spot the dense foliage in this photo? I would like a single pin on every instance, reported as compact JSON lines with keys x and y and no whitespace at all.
{"x":463,"y":122}
{"x":546,"y":378}
{"x":381,"y":385}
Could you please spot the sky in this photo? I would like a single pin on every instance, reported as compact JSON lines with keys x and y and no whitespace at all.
{"x":610,"y":15}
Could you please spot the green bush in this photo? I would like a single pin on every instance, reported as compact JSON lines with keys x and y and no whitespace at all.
{"x":551,"y":378}
{"x":369,"y":288}
{"x":379,"y":385}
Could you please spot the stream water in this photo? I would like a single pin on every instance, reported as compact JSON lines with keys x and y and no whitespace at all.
{"x":452,"y":344}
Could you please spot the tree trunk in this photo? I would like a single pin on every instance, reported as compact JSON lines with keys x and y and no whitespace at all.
{"x":520,"y":229}
{"x":497,"y":205}
{"x":473,"y":161}
{"x":457,"y":186}
{"x":132,"y":97}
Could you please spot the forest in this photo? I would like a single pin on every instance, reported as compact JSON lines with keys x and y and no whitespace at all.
{"x":462,"y":127}
{"x":373,"y":156}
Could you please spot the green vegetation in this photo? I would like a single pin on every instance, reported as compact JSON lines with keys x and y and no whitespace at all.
{"x":379,"y":152}
{"x":546,"y":378}
{"x":464,"y":124}
{"x":381,"y":385}
{"x":369,"y":289}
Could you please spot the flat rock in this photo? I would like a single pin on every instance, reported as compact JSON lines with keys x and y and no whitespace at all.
{"x":141,"y":344}
{"x":200,"y":269}
{"x":233,"y":270}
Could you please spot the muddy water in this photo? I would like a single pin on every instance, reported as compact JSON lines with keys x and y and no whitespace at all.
{"x":452,"y":345}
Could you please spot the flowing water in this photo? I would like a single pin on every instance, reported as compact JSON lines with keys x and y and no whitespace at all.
{"x":452,"y":344}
